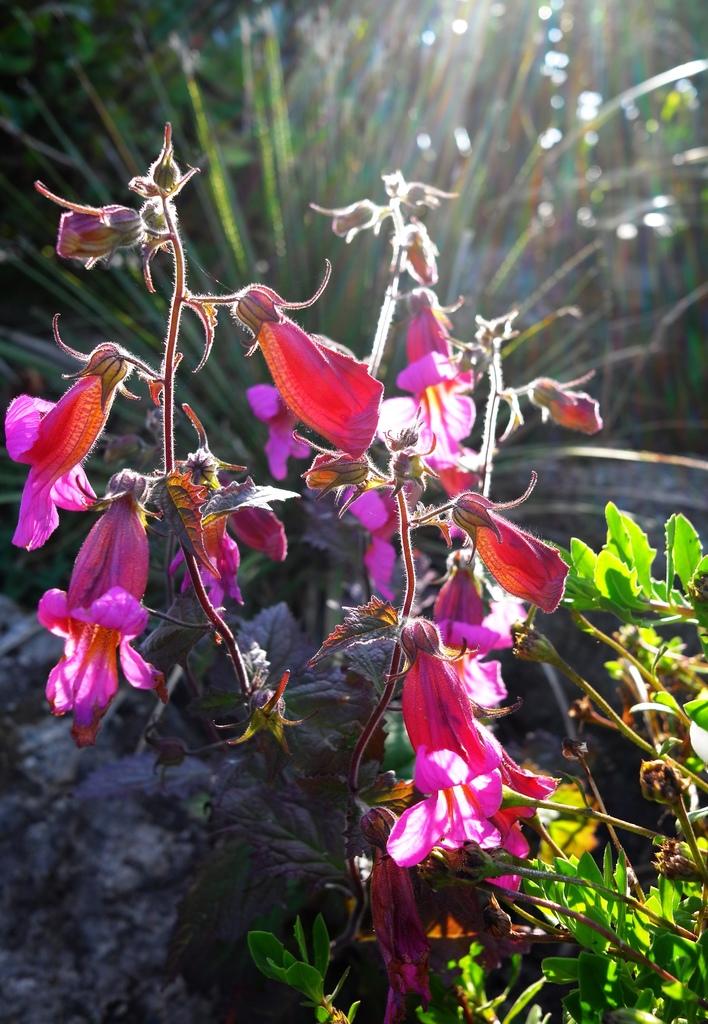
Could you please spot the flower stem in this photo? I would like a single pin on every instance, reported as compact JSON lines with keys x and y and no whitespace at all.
{"x":697,"y":854}
{"x":514,"y":799}
{"x":496,"y":385}
{"x":169,"y":364}
{"x":391,"y":297}
{"x":394,"y":668}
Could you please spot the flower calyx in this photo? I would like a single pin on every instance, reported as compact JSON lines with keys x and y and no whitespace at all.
{"x":414,"y":193}
{"x":268,"y":714}
{"x":256,"y":305}
{"x":421,"y":636}
{"x":164,"y":178}
{"x":93,"y":233}
{"x":337,"y":471}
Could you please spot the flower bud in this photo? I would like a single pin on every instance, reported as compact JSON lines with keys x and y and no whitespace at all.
{"x":127,"y":481}
{"x":574,"y":410}
{"x":673,"y":860}
{"x":91,"y":237}
{"x":348,"y":221}
{"x":661,"y":783}
{"x":256,"y":307}
{"x":330,"y":472}
{"x":530,"y":645}
{"x":165,"y":172}
{"x":496,"y":921}
{"x":109,"y":363}
{"x":376,"y":825}
{"x":574,"y":750}
{"x":420,"y":635}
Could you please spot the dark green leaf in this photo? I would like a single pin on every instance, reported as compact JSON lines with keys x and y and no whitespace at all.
{"x":598,"y":977}
{"x":266,"y":949}
{"x":301,"y":940}
{"x":320,"y":945}
{"x":305,"y":979}
{"x":241,"y":495}
{"x":363,"y":624}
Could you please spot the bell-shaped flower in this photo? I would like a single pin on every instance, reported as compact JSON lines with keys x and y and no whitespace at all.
{"x":457,"y":811}
{"x":523,"y":565}
{"x":397,"y":925}
{"x":574,"y":410}
{"x":420,"y":253}
{"x":269,"y":407}
{"x":445,"y":414}
{"x":260,"y":529}
{"x":98,"y":617}
{"x":54,"y":438}
{"x":376,"y":511}
{"x":332,"y":393}
{"x":428,"y":328}
{"x":437,"y":711}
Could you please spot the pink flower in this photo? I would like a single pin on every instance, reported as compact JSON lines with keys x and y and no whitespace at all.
{"x":98,"y":617}
{"x":436,"y":707}
{"x":428,"y":327}
{"x":89,"y":233}
{"x":224,"y":553}
{"x":456,"y":812}
{"x":269,"y":407}
{"x":446,"y":413}
{"x":574,"y":410}
{"x":459,"y":612}
{"x":53,"y":439}
{"x":377,"y":512}
{"x":523,"y":565}
{"x":261,"y":530}
{"x":397,"y":925}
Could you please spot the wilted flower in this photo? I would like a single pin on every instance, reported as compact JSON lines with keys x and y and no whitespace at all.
{"x":397,"y":925}
{"x":420,"y":253}
{"x":456,"y":812}
{"x":572,"y":409}
{"x":54,"y":438}
{"x":90,"y":233}
{"x":661,"y":783}
{"x":348,"y":221}
{"x":269,"y":407}
{"x":521,"y":564}
{"x":332,"y":393}
{"x":98,"y":616}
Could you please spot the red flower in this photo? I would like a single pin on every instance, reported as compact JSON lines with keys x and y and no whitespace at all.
{"x":54,"y":439}
{"x":523,"y":565}
{"x":261,"y":530}
{"x":428,"y":327}
{"x":331,"y":392}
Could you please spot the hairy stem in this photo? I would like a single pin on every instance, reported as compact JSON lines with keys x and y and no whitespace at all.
{"x":396,"y":657}
{"x":220,"y":625}
{"x":496,"y":384}
{"x":391,"y":297}
{"x":517,"y":799}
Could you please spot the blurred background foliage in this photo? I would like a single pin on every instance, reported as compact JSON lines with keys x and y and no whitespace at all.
{"x":571,"y":130}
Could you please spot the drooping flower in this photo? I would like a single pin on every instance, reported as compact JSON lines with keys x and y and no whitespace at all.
{"x":437,"y":711}
{"x":376,"y":511}
{"x":397,"y":925}
{"x":428,"y":327}
{"x":457,"y":811}
{"x":90,"y":233}
{"x":523,"y":565}
{"x":574,"y":410}
{"x":420,"y":253}
{"x":54,"y":438}
{"x":261,"y":530}
{"x":98,"y":617}
{"x":269,"y":407}
{"x":446,"y":414}
{"x":331,"y":392}
{"x":348,"y":221}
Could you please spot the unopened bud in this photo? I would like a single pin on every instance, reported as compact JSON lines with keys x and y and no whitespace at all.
{"x":329,"y":472}
{"x":530,"y":645}
{"x":574,"y":750}
{"x":661,"y":783}
{"x":376,"y":825}
{"x":165,"y":172}
{"x":256,"y":307}
{"x":496,"y":921}
{"x":91,"y":237}
{"x":574,"y":410}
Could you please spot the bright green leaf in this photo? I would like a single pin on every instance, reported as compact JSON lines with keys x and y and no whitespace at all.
{"x":697,"y":711}
{"x":306,"y":979}
{"x":523,"y":1000}
{"x":687,"y":549}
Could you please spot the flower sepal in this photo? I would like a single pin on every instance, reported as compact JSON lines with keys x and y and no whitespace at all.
{"x":268,"y":715}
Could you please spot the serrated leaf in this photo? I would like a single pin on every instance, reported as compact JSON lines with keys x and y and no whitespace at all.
{"x":371,"y":660}
{"x":180,"y":500}
{"x":616,"y":581}
{"x":686,"y":549}
{"x":362,"y":624}
{"x":276,"y":632}
{"x":320,"y":945}
{"x":389,"y":792}
{"x":629,"y":542}
{"x":241,"y":495}
{"x":170,"y":643}
{"x":583,"y":559}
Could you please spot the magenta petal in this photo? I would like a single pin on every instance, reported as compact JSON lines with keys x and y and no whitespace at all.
{"x":379,"y":560}
{"x":417,"y":831}
{"x":53,"y":612}
{"x":502,"y":615}
{"x":136,"y":670}
{"x":477,"y":638}
{"x":425,"y":372}
{"x":265,"y":401}
{"x":277,"y":450}
{"x":115,"y":610}
{"x":483,"y":681}
{"x":38,"y":518}
{"x":22,"y":419}
{"x":439,"y":769}
{"x":487,"y":791}
{"x":73,"y":491}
